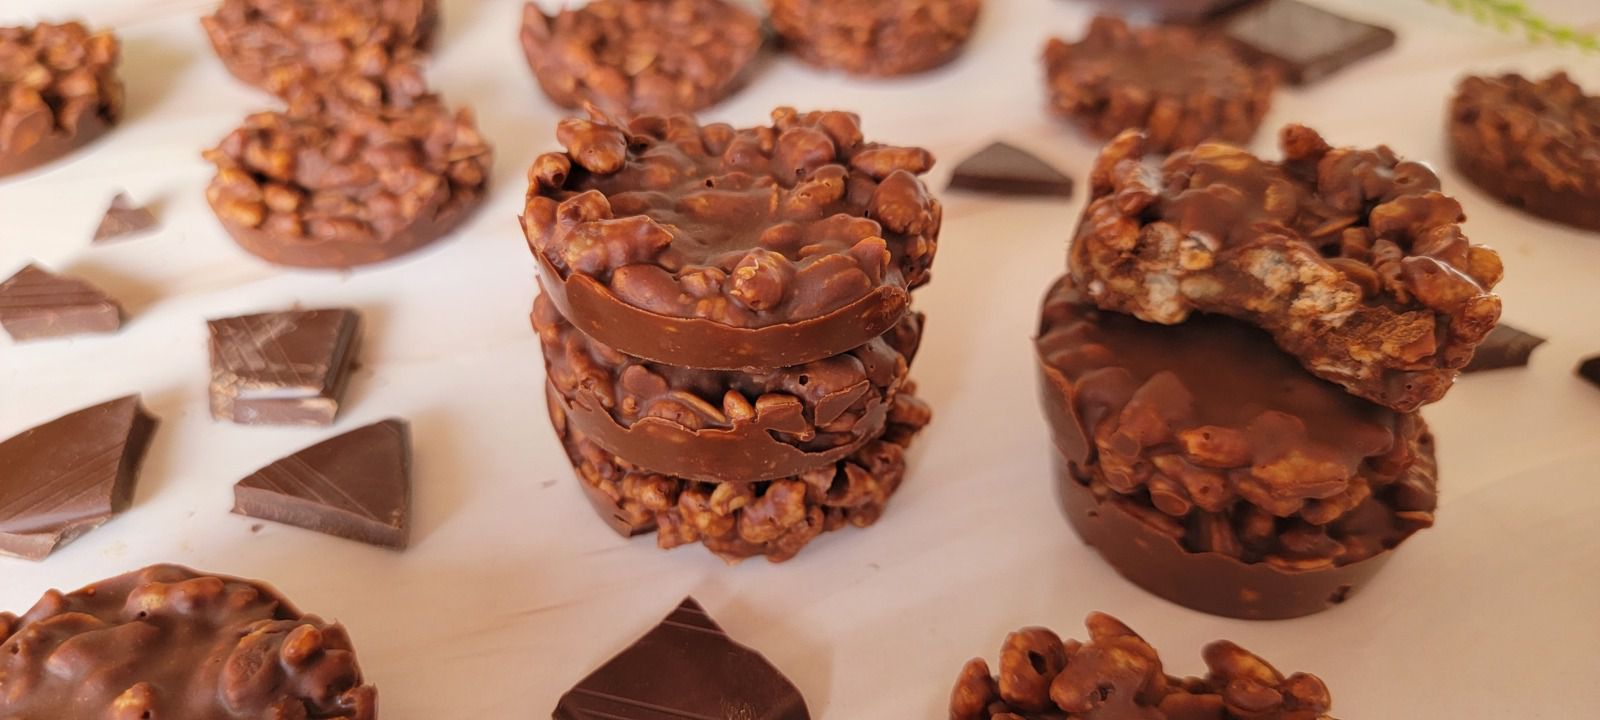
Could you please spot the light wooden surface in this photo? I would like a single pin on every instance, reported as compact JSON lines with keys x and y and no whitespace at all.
{"x":513,"y":590}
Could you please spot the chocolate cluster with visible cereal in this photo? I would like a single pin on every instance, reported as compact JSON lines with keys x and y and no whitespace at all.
{"x":1177,"y":84}
{"x":59,"y":89}
{"x":725,"y":425}
{"x":260,"y":39}
{"x":1351,"y":258}
{"x":1117,"y":675}
{"x":641,"y":56}
{"x":711,"y":247}
{"x":168,"y":642}
{"x":1534,"y":144}
{"x":737,"y":520}
{"x":881,"y":38}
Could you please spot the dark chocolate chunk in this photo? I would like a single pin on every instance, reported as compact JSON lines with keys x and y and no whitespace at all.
{"x":169,"y":643}
{"x":285,"y":368}
{"x":37,"y":304}
{"x":1006,"y":169}
{"x":122,"y":219}
{"x":1505,"y":347}
{"x":1169,"y":11}
{"x":69,"y":476}
{"x":1589,"y":370}
{"x":687,"y":667}
{"x":1305,"y":43}
{"x":356,"y":486}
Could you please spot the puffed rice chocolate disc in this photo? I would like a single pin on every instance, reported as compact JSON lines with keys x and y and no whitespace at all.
{"x":1176,"y":83}
{"x":881,"y":38}
{"x":725,"y":425}
{"x":710,"y":247}
{"x":349,"y":186}
{"x":167,"y":642}
{"x":1534,"y":145}
{"x":1208,"y":467}
{"x":59,"y":91}
{"x":257,"y":38}
{"x":641,"y":56}
{"x":738,"y":520}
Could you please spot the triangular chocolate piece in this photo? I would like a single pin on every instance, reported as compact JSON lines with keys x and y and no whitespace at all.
{"x":36,"y":304}
{"x":356,"y":486}
{"x":1505,"y":347}
{"x":68,"y":476}
{"x":1009,"y":170}
{"x":687,"y":668}
{"x":283,"y":368}
{"x":122,"y":219}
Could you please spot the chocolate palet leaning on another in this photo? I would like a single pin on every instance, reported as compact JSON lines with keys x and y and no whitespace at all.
{"x":59,"y":90}
{"x":710,"y":247}
{"x":641,"y":56}
{"x":258,"y":38}
{"x":169,"y":643}
{"x":1351,"y":258}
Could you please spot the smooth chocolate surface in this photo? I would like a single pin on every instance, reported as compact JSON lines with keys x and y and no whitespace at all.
{"x":123,"y":218}
{"x":710,"y":247}
{"x":68,"y":476}
{"x":36,"y":304}
{"x":58,"y":91}
{"x":283,"y":368}
{"x":725,"y":425}
{"x":1506,"y":347}
{"x":1116,"y":675}
{"x":356,"y":486}
{"x":1302,"y":42}
{"x":170,"y":643}
{"x":1005,"y":169}
{"x":686,"y":668}
{"x":1170,"y":11}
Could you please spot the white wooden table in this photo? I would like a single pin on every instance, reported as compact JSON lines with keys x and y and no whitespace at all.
{"x":514,"y":590}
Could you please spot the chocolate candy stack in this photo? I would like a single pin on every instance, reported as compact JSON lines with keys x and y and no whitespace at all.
{"x":1245,"y":441}
{"x":726,"y":322}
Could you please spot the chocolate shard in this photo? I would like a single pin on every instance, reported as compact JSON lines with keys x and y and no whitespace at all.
{"x":36,"y":304}
{"x":687,"y":668}
{"x":1589,"y":370}
{"x":1005,"y":169}
{"x":1505,"y":347}
{"x":122,"y":219}
{"x":355,"y":486}
{"x":68,"y":476}
{"x":1304,"y":43}
{"x":284,"y":368}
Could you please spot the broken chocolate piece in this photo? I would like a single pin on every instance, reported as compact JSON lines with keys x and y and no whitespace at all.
{"x":1303,"y":43}
{"x":284,"y":368}
{"x":122,"y":219}
{"x":1006,"y":169}
{"x":355,"y":486}
{"x":687,"y":667}
{"x":1589,"y":370}
{"x":70,"y":475}
{"x":36,"y":304}
{"x":1505,"y":347}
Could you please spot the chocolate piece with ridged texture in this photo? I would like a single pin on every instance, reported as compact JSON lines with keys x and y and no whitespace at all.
{"x":687,"y":668}
{"x":123,"y":218}
{"x":36,"y":304}
{"x":1005,"y":169}
{"x":68,"y":476}
{"x":283,"y":368}
{"x":355,"y":486}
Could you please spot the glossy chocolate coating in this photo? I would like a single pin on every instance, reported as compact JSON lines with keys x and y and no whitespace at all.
{"x":1302,"y":42}
{"x":1005,"y":169}
{"x":36,"y":304}
{"x":355,"y":486}
{"x":283,"y":368}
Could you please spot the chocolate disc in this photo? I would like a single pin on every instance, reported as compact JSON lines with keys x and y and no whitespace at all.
{"x":879,"y":38}
{"x":59,"y":90}
{"x":256,"y":38}
{"x":709,"y":247}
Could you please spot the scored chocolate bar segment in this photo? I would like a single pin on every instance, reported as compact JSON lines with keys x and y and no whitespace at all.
{"x":1506,"y":347}
{"x":284,"y":368}
{"x":355,"y":486}
{"x":1005,"y":169}
{"x":122,"y":219}
{"x":1302,"y":42}
{"x":36,"y":304}
{"x":68,"y":476}
{"x":688,"y":668}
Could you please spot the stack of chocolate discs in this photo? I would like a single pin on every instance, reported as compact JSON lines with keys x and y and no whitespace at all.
{"x":1245,"y":440}
{"x":726,"y":322}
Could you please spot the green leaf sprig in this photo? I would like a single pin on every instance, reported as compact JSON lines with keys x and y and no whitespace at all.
{"x":1513,"y":16}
